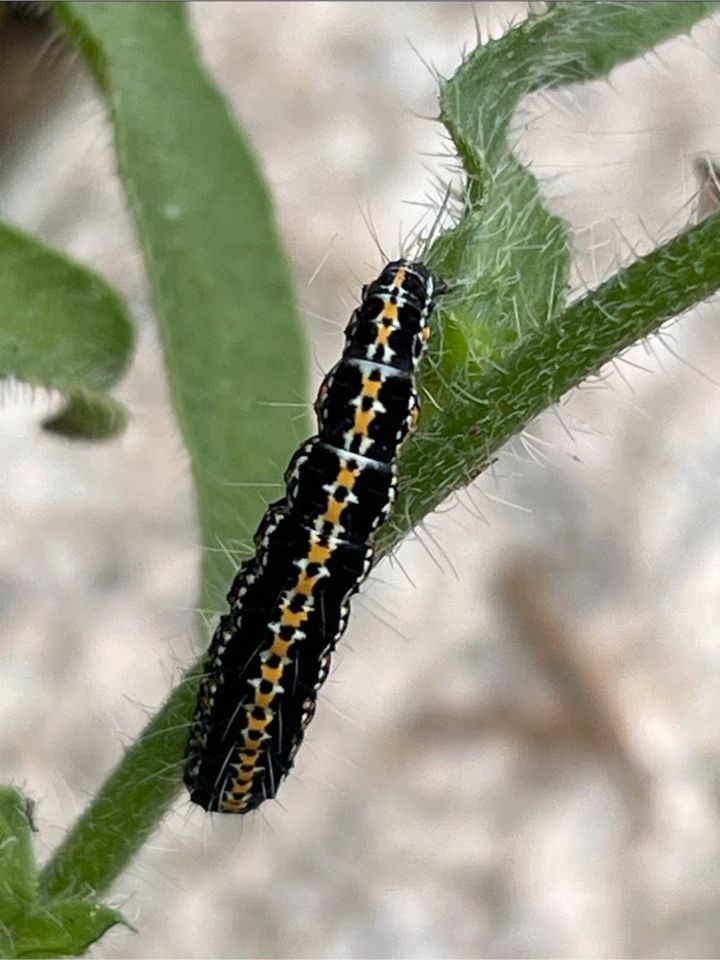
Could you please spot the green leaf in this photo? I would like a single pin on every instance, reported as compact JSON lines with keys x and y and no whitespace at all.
{"x":89,"y":416}
{"x":232,"y":343}
{"x":61,"y":929}
{"x":29,"y":925}
{"x":234,"y":353}
{"x":18,"y":880}
{"x":62,"y":327}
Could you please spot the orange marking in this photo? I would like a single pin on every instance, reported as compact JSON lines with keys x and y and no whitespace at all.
{"x":291,"y":619}
{"x":280,"y":646}
{"x":371,"y":388}
{"x":363,"y":419}
{"x":273,"y":674}
{"x":383,"y":336}
{"x":334,"y":511}
{"x":347,"y":477}
{"x":319,"y":553}
{"x":244,"y":775}
{"x":256,"y":723}
{"x":305,"y":585}
{"x":399,"y":278}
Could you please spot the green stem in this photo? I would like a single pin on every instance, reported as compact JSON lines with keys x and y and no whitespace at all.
{"x":520,"y":382}
{"x":506,"y":396}
{"x":128,"y":807}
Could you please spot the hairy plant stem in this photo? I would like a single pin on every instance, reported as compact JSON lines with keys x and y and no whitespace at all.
{"x":506,"y":396}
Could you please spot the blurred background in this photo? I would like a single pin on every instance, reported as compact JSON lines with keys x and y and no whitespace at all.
{"x":518,"y":751}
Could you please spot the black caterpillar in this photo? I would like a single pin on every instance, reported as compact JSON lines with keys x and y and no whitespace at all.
{"x":289,"y":604}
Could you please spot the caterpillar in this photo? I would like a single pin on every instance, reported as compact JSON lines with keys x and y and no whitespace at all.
{"x":289,"y":604}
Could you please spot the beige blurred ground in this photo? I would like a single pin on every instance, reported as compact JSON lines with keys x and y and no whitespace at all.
{"x":518,"y":751}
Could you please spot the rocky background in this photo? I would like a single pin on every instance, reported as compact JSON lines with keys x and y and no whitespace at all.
{"x":518,"y":751}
